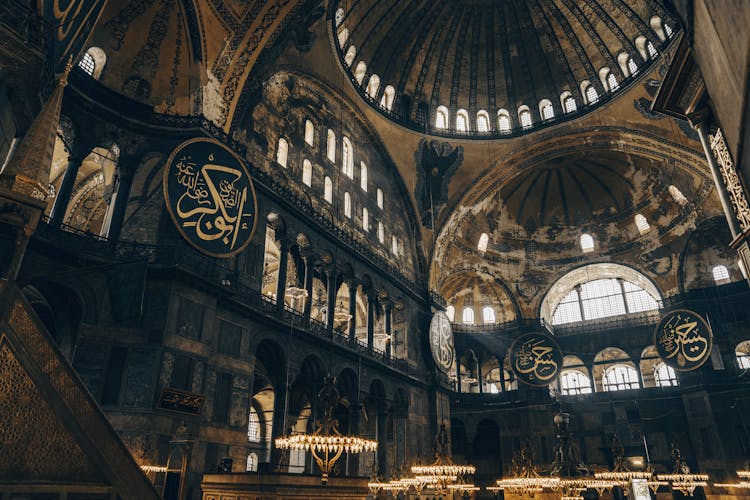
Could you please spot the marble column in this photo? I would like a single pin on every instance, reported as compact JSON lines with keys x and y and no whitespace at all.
{"x":371,"y":318}
{"x":331,"y":289}
{"x":65,"y":191}
{"x":352,"y":309}
{"x":388,"y":340}
{"x":309,"y":270}
{"x":281,"y":283}
{"x":120,"y":202}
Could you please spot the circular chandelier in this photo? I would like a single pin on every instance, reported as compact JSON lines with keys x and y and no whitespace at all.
{"x":327,"y":444}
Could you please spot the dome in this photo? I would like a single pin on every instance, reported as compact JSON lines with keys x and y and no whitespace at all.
{"x":488,"y":68}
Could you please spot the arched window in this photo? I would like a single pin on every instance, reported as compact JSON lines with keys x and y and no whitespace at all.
{"x":668,"y":30}
{"x":379,"y":198}
{"x":253,"y":427}
{"x":591,"y":292}
{"x":351,"y":53}
{"x":450,"y":311}
{"x":468,"y":316}
{"x":281,"y":152}
{"x":612,"y":82}
{"x":721,"y":274}
{"x":359,"y":72}
{"x":503,"y":121}
{"x":331,"y":146}
{"x":348,"y":205}
{"x":620,"y":377}
{"x":483,"y":242}
{"x":347,"y":158}
{"x":652,"y":53}
{"x":373,"y":85}
{"x":339,"y":17}
{"x":363,"y":176}
{"x":252,"y":463}
{"x":664,"y":376}
{"x":394,"y":245}
{"x":742,"y":355}
{"x":387,"y":100}
{"x":587,"y":243}
{"x":307,"y":173}
{"x":309,"y":133}
{"x":462,"y":120}
{"x":488,"y":315}
{"x":524,"y":117}
{"x":568,"y":102}
{"x":677,"y":195}
{"x":381,"y":232}
{"x":642,"y":224}
{"x":343,"y":36}
{"x":632,"y":66}
{"x":590,"y":95}
{"x":87,"y":64}
{"x":328,"y":189}
{"x":574,"y":382}
{"x":365,"y":219}
{"x":441,"y":117}
{"x":483,"y":121}
{"x":93,"y":61}
{"x":546,"y":111}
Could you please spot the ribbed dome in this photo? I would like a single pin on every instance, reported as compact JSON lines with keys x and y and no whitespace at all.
{"x":409,"y":58}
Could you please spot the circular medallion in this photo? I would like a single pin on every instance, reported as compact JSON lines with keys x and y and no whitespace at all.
{"x":210,"y":197}
{"x":683,"y":340}
{"x":535,"y":358}
{"x":441,"y":341}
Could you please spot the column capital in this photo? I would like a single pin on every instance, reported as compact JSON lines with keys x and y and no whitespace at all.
{"x":699,"y":119}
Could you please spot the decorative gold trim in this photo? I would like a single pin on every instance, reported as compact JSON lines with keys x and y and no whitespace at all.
{"x":732,"y":181}
{"x":551,"y":339}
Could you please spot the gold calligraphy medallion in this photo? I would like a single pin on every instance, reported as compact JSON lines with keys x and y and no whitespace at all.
{"x":441,"y":341}
{"x":209,"y":195}
{"x":536,"y":359}
{"x":683,"y":340}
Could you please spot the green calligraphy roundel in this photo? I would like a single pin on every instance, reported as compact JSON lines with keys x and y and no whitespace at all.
{"x":210,"y":197}
{"x":683,"y":340}
{"x":536,"y":359}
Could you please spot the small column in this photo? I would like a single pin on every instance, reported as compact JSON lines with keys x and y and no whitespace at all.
{"x":388,"y":306}
{"x":309,"y":268}
{"x":480,"y":380}
{"x":331,"y":288}
{"x":121,"y":197}
{"x":370,"y":318}
{"x":458,"y":375}
{"x":699,"y":121}
{"x":62,"y":199}
{"x":281,"y":283}
{"x":352,"y":309}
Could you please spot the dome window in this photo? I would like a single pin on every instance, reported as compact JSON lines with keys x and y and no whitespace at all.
{"x":351,"y":53}
{"x":93,"y":61}
{"x":642,"y":224}
{"x":363,"y":176}
{"x":591,"y":94}
{"x":331,"y":146}
{"x":365,"y":219}
{"x":462,"y":120}
{"x":524,"y":117}
{"x":721,"y":274}
{"x":503,"y":121}
{"x":328,"y":190}
{"x":87,"y":64}
{"x":307,"y":173}
{"x":483,"y":241}
{"x":568,"y":102}
{"x":483,"y":121}
{"x":632,"y":66}
{"x":348,"y":205}
{"x":441,"y":117}
{"x":359,"y":72}
{"x":468,"y":316}
{"x":488,"y":315}
{"x":652,"y":53}
{"x":282,"y":152}
{"x":668,"y":30}
{"x":677,"y":195}
{"x":309,"y":133}
{"x":612,"y":82}
{"x":387,"y":100}
{"x":373,"y":85}
{"x":546,"y":110}
{"x":587,"y":243}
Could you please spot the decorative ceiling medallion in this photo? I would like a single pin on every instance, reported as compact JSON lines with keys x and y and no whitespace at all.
{"x":683,"y":340}
{"x":210,"y":197}
{"x":536,"y":359}
{"x":441,"y":341}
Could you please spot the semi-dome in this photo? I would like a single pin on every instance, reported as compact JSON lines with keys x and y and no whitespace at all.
{"x":488,"y":68}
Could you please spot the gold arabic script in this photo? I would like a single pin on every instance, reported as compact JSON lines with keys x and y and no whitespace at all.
{"x":535,"y":359}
